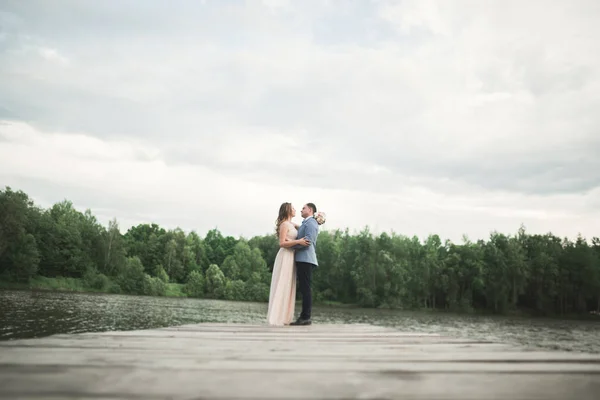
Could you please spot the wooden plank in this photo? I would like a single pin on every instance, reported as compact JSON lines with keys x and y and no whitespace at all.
{"x":148,"y":384}
{"x":227,"y":361}
{"x":411,"y":355}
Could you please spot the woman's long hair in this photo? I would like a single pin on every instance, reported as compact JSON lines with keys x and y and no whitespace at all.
{"x":285,"y":212}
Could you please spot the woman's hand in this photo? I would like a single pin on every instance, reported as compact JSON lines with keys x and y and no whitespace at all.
{"x":304,"y":242}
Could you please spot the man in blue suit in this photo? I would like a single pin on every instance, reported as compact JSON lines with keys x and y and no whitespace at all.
{"x":306,"y":260}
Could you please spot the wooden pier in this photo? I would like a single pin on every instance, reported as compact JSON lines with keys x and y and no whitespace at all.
{"x":224,"y":361}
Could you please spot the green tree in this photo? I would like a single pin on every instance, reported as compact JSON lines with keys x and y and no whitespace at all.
{"x":543,"y":273}
{"x":115,"y":254}
{"x":199,"y":253}
{"x":161,"y":274}
{"x":235,"y":290}
{"x":147,"y":242}
{"x":194,"y":286}
{"x":244,"y":263}
{"x":215,"y":282}
{"x":133,"y":278}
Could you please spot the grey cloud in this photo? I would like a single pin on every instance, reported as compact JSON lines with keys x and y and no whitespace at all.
{"x":572,"y":79}
{"x":48,"y":193}
{"x":529,"y":67}
{"x":386,"y":124}
{"x":573,"y":168}
{"x":106,"y":204}
{"x":539,"y":178}
{"x":72,"y":20}
{"x":544,"y":178}
{"x":53,"y":106}
{"x":568,"y":168}
{"x":355,"y":22}
{"x":7,"y":114}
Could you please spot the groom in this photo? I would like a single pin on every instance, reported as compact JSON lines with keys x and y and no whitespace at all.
{"x":306,"y":260}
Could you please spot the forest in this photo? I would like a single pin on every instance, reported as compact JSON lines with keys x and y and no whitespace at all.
{"x":540,"y":274}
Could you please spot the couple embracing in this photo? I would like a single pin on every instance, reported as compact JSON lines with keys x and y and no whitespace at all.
{"x":296,"y":258}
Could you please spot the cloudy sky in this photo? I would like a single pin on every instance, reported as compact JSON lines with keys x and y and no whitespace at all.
{"x":449,"y":117}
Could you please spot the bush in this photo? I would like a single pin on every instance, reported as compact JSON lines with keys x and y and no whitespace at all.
{"x":256,"y":291}
{"x":132,"y":279}
{"x":162,"y":274}
{"x":59,"y":283}
{"x":94,"y":280}
{"x":175,"y":290}
{"x":114,"y":288}
{"x":235,"y":290}
{"x":153,"y":286}
{"x":366,"y":298}
{"x":194,"y":286}
{"x":215,"y":282}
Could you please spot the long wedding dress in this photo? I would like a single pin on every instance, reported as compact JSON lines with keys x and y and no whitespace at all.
{"x":282,"y":297}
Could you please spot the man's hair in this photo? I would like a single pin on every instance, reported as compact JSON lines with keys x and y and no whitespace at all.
{"x":312,"y":205}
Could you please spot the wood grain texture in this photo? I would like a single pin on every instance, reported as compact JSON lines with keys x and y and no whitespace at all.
{"x":227,"y":361}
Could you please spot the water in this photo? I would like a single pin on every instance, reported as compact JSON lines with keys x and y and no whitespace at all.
{"x":28,"y":314}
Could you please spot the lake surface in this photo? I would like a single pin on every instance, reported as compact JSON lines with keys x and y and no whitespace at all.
{"x":29,"y":314}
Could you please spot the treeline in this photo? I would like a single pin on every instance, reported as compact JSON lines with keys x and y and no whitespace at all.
{"x":543,"y":274}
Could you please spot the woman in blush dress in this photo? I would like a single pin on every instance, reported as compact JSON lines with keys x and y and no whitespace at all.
{"x":282,"y":297}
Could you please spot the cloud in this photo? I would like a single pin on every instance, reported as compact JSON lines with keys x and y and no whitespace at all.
{"x":114,"y":181}
{"x":53,"y":56}
{"x":455,"y":117}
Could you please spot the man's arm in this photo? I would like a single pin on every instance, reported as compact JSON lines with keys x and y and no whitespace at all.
{"x":310,"y":232}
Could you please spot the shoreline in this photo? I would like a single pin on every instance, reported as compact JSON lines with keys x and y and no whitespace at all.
{"x":174,"y":290}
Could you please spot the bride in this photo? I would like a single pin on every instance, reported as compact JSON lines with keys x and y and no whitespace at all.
{"x":282,"y":297}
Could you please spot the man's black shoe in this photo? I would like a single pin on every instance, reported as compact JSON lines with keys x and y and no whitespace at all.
{"x":301,"y":321}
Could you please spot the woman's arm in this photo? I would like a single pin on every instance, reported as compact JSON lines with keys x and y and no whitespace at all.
{"x":285,"y":242}
{"x":310,"y":234}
